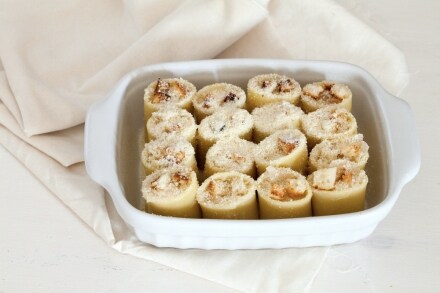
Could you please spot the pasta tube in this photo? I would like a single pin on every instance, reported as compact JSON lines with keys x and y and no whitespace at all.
{"x":328,"y":123}
{"x":168,"y":151}
{"x":216,"y":96}
{"x":284,"y":148}
{"x":172,"y":192}
{"x":338,"y":190}
{"x":231,"y":154}
{"x":168,"y":91}
{"x":283,"y":193}
{"x":228,"y":195}
{"x":172,"y":121}
{"x":332,"y":152}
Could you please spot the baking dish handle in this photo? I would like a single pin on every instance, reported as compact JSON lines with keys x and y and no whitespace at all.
{"x":100,"y":142}
{"x":404,"y":142}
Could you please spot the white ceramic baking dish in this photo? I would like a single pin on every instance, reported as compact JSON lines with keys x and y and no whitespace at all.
{"x":114,"y":136}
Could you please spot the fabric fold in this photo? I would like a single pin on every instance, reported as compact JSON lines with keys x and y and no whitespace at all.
{"x":65,"y":146}
{"x":71,"y":185}
{"x":323,"y":30}
{"x":8,"y":99}
{"x":56,"y":76}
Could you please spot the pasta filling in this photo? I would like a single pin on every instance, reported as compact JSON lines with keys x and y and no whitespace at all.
{"x":212,"y":101}
{"x":179,"y":179}
{"x":286,"y":144}
{"x":337,"y":178}
{"x":337,"y":122}
{"x":353,"y":149}
{"x":228,"y":159}
{"x":170,"y":121}
{"x":226,"y":122}
{"x":167,"y":152}
{"x":286,"y":190}
{"x":276,"y":146}
{"x":231,"y":154}
{"x":282,"y":115}
{"x":282,"y":86}
{"x":171,"y":155}
{"x":225,"y":190}
{"x":166,"y":91}
{"x":167,"y":183}
{"x":219,"y":95}
{"x":327,"y":92}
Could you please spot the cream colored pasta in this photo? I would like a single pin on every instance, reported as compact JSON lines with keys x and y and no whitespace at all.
{"x":172,"y":121}
{"x":338,"y":190}
{"x":333,"y":152}
{"x":275,"y":116}
{"x":168,"y":91}
{"x":283,"y":193}
{"x":228,"y":195}
{"x":224,"y":123}
{"x":269,"y":88}
{"x":328,"y":123}
{"x":172,"y":192}
{"x":231,"y":154}
{"x":284,"y":148}
{"x":325,"y":93}
{"x":168,"y":151}
{"x":216,"y":96}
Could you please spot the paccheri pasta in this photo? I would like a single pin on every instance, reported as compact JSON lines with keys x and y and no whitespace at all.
{"x":284,"y":148}
{"x":269,"y":88}
{"x":172,"y":121}
{"x":325,"y":93}
{"x":338,"y":190}
{"x":328,"y":123}
{"x":216,"y":96}
{"x":283,"y":193}
{"x":172,"y":192}
{"x":274,"y":163}
{"x":168,"y":151}
{"x":231,"y":154}
{"x":332,"y":152}
{"x":228,"y":195}
{"x":168,"y":91}
{"x":275,"y":116}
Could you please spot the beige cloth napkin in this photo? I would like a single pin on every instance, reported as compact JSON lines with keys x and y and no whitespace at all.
{"x":58,"y":57}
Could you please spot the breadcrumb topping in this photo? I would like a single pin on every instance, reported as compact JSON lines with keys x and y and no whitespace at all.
{"x":275,"y":85}
{"x":329,"y":122}
{"x":171,"y":120}
{"x":325,"y":93}
{"x":353,"y":149}
{"x":226,"y":122}
{"x":167,"y":151}
{"x":219,"y":95}
{"x":282,"y":115}
{"x":231,"y":154}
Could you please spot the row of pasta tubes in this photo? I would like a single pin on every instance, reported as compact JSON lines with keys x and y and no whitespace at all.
{"x":277,"y":151}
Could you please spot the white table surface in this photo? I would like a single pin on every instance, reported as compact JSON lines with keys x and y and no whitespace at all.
{"x":45,"y":248}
